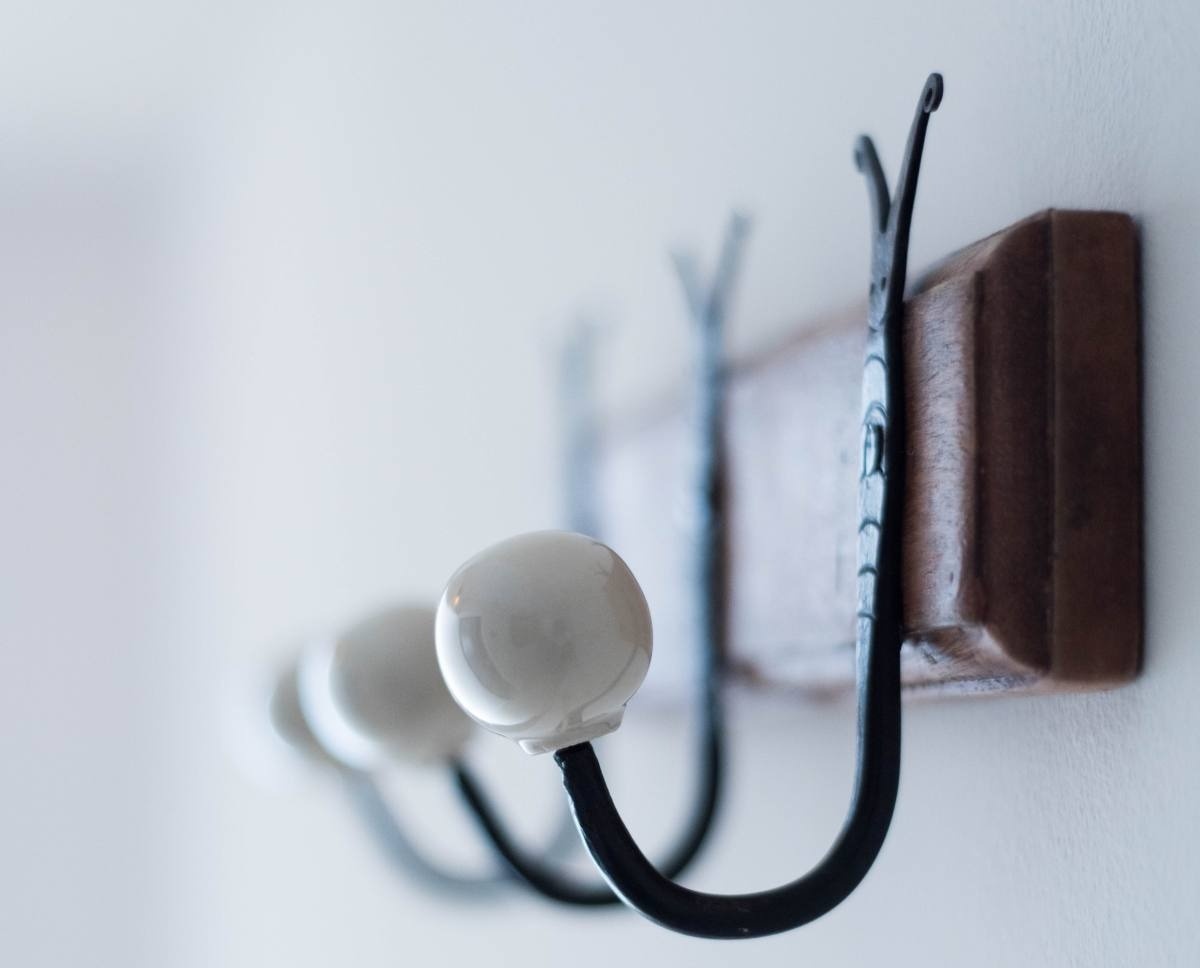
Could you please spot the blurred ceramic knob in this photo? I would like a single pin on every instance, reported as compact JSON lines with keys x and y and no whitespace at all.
{"x":374,"y":694}
{"x":287,"y":717}
{"x":543,"y":638}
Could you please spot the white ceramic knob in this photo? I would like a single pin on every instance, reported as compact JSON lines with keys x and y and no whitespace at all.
{"x":262,"y":729}
{"x":374,"y":694}
{"x":287,"y":718}
{"x":543,"y":638}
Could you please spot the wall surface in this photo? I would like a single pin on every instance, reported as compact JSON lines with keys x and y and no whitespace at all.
{"x":280,"y":292}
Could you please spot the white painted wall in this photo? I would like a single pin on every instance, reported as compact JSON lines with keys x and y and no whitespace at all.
{"x":280,"y":288}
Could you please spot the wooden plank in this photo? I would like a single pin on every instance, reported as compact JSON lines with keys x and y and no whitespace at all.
{"x":1022,"y":552}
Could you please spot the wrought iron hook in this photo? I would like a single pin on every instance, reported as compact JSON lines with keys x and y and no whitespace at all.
{"x":389,"y":835}
{"x":708,"y":309}
{"x":879,"y":632}
{"x":372,"y":807}
{"x":290,"y":722}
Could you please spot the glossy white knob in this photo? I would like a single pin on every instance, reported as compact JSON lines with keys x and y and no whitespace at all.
{"x":374,"y":694}
{"x":543,"y":638}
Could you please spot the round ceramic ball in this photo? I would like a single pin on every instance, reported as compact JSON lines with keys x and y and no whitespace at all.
{"x":286,"y":715}
{"x":374,"y":694}
{"x":543,"y":638}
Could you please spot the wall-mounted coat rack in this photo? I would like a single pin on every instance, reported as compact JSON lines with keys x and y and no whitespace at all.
{"x":995,"y":451}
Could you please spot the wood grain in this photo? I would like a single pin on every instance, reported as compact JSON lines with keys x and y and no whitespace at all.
{"x":1022,"y":549}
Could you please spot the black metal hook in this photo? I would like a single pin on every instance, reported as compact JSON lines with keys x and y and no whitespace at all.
{"x":708,"y":309}
{"x":879,"y":632}
{"x":380,"y":820}
{"x":370,"y":804}
{"x":288,"y":719}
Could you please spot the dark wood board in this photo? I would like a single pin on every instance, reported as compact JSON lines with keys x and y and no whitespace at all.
{"x":1023,"y":537}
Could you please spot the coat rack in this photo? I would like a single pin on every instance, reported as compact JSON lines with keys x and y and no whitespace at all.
{"x":997,"y":548}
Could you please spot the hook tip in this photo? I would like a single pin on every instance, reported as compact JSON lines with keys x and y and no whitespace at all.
{"x":931,"y":98}
{"x":862,"y":149}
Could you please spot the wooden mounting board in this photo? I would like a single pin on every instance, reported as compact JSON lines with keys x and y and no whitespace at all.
{"x":1022,"y":549}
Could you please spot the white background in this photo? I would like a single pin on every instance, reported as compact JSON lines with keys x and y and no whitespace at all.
{"x":279,"y":291}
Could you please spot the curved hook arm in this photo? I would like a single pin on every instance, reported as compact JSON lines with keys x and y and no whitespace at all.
{"x":878,"y":641}
{"x":866,"y":159}
{"x":655,"y":895}
{"x":289,"y":720}
{"x":378,"y":817}
{"x":557,"y":886}
{"x":708,"y":312}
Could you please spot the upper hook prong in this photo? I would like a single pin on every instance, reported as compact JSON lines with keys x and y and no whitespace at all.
{"x":688,"y":271}
{"x":866,"y":159}
{"x":932,"y":97}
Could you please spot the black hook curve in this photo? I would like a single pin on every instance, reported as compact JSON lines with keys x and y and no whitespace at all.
{"x":385,"y":829}
{"x":290,"y":722}
{"x":708,"y":312}
{"x":879,"y":634}
{"x":372,"y":807}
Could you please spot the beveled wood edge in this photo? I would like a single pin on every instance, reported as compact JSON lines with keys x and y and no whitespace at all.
{"x":829,"y":674}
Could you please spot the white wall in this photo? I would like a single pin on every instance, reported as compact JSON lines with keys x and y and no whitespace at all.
{"x":281,"y":288}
